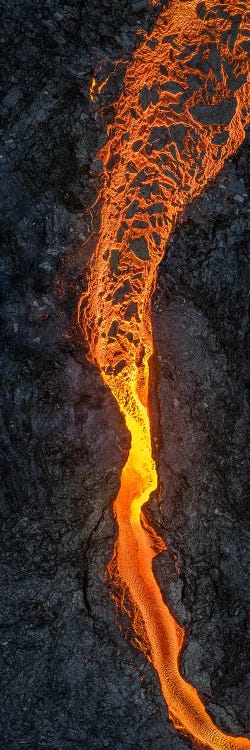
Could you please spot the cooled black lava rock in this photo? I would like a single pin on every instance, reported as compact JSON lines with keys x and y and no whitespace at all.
{"x":69,"y":679}
{"x":201,"y":338}
{"x":216,"y":114}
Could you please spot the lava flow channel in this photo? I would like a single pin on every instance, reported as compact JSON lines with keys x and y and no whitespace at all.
{"x":182,"y":113}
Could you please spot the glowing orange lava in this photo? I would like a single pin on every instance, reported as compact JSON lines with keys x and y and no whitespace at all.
{"x":183,"y":111}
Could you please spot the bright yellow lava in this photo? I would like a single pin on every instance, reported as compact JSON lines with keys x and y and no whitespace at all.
{"x":183,"y":112}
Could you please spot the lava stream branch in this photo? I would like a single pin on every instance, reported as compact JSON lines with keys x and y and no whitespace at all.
{"x":183,"y":112}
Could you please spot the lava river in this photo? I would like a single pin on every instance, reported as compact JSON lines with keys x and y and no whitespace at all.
{"x":183,"y":111}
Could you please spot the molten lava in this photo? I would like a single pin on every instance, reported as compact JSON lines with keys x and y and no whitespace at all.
{"x":182,"y":113}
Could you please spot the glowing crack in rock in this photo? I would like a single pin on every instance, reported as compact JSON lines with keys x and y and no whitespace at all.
{"x":182,"y":113}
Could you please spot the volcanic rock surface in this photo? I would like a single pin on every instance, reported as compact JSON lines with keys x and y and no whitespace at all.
{"x":69,"y":678}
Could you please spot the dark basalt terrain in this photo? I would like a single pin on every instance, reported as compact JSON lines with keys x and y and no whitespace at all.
{"x":69,"y":678}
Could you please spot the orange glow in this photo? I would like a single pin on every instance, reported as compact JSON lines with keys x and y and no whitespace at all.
{"x":92,"y":88}
{"x":95,"y":88}
{"x":182,"y":113}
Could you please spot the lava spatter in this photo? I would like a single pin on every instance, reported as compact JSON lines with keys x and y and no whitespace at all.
{"x":182,"y":113}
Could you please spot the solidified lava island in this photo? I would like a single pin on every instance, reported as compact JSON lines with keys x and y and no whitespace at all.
{"x":182,"y":113}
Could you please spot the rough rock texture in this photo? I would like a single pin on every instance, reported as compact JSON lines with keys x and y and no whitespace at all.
{"x":201,"y":341}
{"x":69,"y":679}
